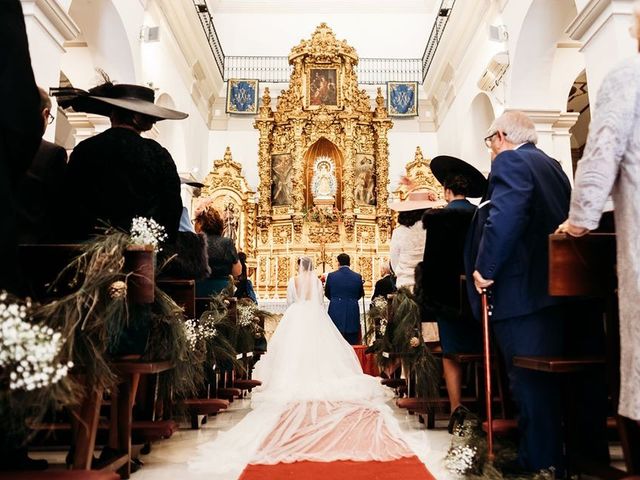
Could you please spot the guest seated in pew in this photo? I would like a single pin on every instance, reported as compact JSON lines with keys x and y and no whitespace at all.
{"x":386,"y":284}
{"x":118,"y":175}
{"x":40,"y":188}
{"x":244,"y":286}
{"x":223,"y":257}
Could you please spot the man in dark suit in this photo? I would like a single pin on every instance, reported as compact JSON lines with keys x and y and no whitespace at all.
{"x":344,"y":288}
{"x":40,"y":189}
{"x":507,"y":251}
{"x":386,"y":284}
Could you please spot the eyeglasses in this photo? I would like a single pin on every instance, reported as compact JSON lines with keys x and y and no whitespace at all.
{"x":488,"y":139}
{"x":50,"y":119}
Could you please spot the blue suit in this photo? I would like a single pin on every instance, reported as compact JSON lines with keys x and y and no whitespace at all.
{"x":344,"y":288}
{"x":527,"y":198}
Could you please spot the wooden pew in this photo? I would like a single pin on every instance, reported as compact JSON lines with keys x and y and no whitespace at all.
{"x":41,"y":265}
{"x":586,"y":267}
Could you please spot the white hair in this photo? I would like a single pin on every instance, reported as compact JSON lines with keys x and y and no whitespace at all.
{"x":517,"y":127}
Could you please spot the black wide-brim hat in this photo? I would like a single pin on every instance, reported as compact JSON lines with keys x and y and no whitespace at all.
{"x":102,"y":99}
{"x":444,"y":167}
{"x":191,"y":183}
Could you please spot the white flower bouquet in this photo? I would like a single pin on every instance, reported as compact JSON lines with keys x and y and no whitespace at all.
{"x":145,"y":231}
{"x":28,"y":352}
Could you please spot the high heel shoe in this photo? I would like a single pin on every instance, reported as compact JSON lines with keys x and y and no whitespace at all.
{"x":457,"y":418}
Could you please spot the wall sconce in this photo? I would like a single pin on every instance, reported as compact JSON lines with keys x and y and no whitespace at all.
{"x":149,"y":34}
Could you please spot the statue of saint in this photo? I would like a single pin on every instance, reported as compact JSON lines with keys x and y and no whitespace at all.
{"x":230,"y":219}
{"x":364,"y":181}
{"x":323,"y":184}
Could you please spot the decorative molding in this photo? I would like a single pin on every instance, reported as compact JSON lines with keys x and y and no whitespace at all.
{"x":586,"y":18}
{"x":55,"y":16}
{"x":185,"y":27}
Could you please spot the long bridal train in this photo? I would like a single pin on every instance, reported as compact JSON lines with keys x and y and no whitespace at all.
{"x":315,"y":403}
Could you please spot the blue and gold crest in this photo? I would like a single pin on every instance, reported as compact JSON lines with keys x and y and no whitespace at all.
{"x":402,"y":99}
{"x":242,"y":96}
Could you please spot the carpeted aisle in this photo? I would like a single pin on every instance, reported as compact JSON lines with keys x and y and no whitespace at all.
{"x":404,"y":468}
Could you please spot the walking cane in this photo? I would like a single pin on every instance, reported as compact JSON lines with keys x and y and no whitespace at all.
{"x":486,"y":313}
{"x":364,"y":322}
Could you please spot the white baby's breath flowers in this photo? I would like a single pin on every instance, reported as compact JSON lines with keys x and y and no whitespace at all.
{"x":28,"y":352}
{"x":195,"y":331}
{"x":460,"y":459}
{"x":145,"y":231}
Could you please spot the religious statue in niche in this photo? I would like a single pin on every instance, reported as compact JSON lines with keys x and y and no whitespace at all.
{"x":281,"y":185}
{"x":230,"y":218}
{"x":365,"y":180}
{"x":323,"y":89}
{"x":323,"y":183}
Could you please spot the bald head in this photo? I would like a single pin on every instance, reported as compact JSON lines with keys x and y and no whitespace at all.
{"x":45,"y":107}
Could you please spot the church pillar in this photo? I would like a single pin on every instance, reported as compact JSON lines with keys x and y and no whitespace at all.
{"x":298,"y":178}
{"x":562,"y":141}
{"x":348,"y":173}
{"x":382,"y":124}
{"x":602,"y":26}
{"x":554,"y":137}
{"x":264,"y":124}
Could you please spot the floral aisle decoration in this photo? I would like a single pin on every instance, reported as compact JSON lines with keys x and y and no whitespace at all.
{"x":467,"y":455}
{"x":33,"y":367}
{"x":94,"y":314}
{"x":145,"y":231}
{"x":28,"y":353}
{"x":401,"y":336}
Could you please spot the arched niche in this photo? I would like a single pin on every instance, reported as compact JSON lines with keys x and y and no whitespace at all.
{"x":322,"y":148}
{"x":171,"y":134}
{"x":106,"y":39}
{"x":480,"y":116}
{"x":538,"y":65}
{"x":578,"y":102}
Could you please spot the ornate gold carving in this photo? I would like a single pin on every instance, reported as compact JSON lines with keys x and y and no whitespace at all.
{"x":419,"y":172}
{"x":364,"y":268}
{"x":330,"y":233}
{"x":225,"y":184}
{"x":348,"y":121}
{"x":282,"y":234}
{"x":366,"y":234}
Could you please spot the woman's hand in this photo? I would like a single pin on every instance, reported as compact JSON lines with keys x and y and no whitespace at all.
{"x":570,"y":229}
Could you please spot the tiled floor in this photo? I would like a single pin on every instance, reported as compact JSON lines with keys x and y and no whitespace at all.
{"x":169,"y":458}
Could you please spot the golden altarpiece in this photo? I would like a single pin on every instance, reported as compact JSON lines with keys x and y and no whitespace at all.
{"x":323,"y":166}
{"x":230,"y":193}
{"x":418,"y":171}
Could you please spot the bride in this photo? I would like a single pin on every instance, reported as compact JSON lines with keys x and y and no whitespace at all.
{"x":315,"y":403}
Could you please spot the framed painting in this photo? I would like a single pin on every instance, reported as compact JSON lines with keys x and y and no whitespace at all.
{"x":242,"y":96}
{"x":402,"y":99}
{"x":322,"y":87}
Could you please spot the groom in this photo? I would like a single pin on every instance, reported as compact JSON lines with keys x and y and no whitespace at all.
{"x":344,"y":288}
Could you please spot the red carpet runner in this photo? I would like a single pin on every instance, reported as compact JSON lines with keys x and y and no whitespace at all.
{"x":402,"y":469}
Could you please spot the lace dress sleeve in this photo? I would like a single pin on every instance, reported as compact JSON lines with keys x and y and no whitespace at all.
{"x":609,"y":134}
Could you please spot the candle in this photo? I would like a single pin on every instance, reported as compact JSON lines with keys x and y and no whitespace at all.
{"x":267,"y":279}
{"x":257,"y":272}
{"x":277,"y":282}
{"x":373,"y":269}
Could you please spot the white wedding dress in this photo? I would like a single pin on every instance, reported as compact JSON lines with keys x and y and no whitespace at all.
{"x":315,"y":403}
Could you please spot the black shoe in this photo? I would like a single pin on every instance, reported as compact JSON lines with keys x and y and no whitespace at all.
{"x":457,"y":418}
